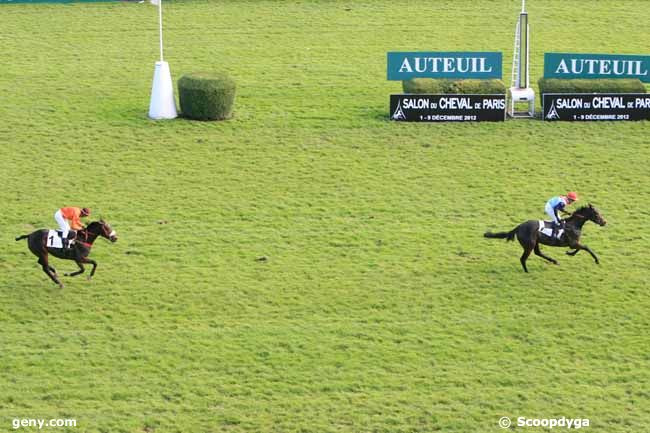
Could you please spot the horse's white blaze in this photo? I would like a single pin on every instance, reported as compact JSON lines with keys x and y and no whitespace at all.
{"x":111,"y":234}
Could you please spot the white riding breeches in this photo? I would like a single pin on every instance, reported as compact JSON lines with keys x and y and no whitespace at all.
{"x":63,"y":224}
{"x":549,"y":210}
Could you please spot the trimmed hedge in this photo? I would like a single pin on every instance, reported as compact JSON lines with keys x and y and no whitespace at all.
{"x":206,"y":96}
{"x":623,"y":85}
{"x":442,"y":86}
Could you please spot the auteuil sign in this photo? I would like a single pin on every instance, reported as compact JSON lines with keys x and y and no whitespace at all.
{"x":567,"y":65}
{"x":478,"y":65}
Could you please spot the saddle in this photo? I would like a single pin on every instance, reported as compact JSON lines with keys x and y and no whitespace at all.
{"x":546,"y":228}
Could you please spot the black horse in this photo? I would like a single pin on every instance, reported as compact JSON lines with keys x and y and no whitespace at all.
{"x":529,"y":235}
{"x":37,"y":243}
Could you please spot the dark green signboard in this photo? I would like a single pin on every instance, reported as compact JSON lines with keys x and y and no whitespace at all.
{"x":567,"y":65}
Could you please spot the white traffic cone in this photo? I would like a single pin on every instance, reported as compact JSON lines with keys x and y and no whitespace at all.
{"x":163,"y":104}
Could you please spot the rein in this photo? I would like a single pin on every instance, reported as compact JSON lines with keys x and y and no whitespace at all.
{"x":85,"y":234}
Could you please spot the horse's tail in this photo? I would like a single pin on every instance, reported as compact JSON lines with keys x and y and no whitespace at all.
{"x":22,"y":237}
{"x":509,"y":236}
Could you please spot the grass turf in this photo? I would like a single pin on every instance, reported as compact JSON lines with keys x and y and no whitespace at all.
{"x":379,"y":307}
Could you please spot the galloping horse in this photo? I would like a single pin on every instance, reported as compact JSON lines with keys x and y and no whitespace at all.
{"x":529,"y":235}
{"x":37,"y":243}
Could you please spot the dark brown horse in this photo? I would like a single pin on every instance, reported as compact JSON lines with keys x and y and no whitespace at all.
{"x":37,"y":243}
{"x":529,"y":235}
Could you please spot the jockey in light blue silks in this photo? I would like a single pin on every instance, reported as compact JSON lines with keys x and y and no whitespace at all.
{"x":557,"y":204}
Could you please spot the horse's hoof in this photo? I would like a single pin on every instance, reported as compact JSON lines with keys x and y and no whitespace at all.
{"x":61,"y":286}
{"x":89,"y":278}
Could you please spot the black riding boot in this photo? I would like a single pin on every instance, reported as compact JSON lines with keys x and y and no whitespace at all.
{"x":69,"y":241}
{"x":556,"y":228}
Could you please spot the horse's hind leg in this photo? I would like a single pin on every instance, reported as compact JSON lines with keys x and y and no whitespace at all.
{"x":538,"y":252}
{"x":524,"y":257}
{"x":572,"y":253}
{"x":46,"y":268}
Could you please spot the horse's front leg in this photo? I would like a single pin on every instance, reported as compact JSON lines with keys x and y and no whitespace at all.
{"x":88,"y":261}
{"x":577,"y":246}
{"x":586,"y":248}
{"x":80,"y":271}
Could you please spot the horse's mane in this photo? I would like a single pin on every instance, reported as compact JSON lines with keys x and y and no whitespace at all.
{"x":585,"y":211}
{"x":93,"y":224}
{"x":589,"y":206}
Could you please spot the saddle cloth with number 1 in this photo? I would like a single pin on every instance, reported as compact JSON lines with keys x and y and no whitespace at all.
{"x":546,"y":227}
{"x":54,"y":239}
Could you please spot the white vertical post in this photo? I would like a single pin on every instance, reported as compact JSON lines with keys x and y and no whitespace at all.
{"x":160,"y":28}
{"x":522,"y":73}
{"x":520,"y":92}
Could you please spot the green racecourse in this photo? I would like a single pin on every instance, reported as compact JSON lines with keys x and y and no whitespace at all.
{"x":379,"y":307}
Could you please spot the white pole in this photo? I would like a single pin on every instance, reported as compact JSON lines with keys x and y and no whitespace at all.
{"x":160,"y":27}
{"x":523,"y":6}
{"x":163,"y":104}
